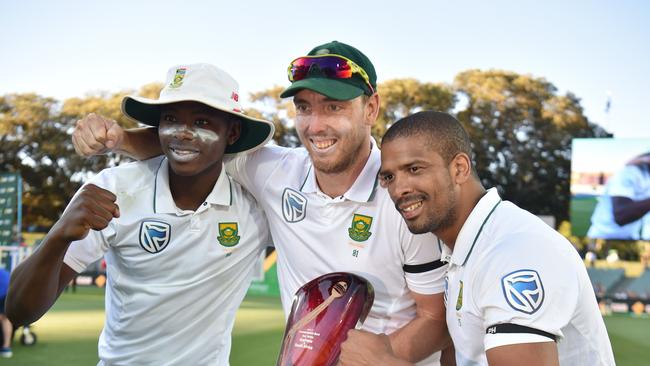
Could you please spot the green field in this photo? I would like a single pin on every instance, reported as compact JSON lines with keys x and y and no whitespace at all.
{"x":581,"y":210}
{"x":67,"y":335}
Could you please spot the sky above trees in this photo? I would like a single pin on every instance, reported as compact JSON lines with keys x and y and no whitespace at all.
{"x":594,"y":49}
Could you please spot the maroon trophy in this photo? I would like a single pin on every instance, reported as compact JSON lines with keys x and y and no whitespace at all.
{"x":323,"y":311}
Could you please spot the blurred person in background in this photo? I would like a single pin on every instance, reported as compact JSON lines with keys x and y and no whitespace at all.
{"x":623,"y":211}
{"x":7,"y":328}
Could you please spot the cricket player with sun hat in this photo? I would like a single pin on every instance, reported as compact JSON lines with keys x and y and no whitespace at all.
{"x":325,"y":209}
{"x":179,"y":236}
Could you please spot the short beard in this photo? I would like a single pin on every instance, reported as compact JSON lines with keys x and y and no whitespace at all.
{"x":334,"y":167}
{"x":431,"y":225}
{"x":342,"y":165}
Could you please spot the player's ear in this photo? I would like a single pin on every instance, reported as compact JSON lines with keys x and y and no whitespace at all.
{"x":371,"y":108}
{"x":234,"y":131}
{"x":461,"y":168}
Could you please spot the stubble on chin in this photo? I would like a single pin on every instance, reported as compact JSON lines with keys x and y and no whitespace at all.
{"x":338,"y":164}
{"x":431,"y":224}
{"x":333,"y":167}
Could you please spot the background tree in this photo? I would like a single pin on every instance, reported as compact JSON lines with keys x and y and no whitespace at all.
{"x":35,"y":136}
{"x":35,"y":143}
{"x":520,"y":126}
{"x":267,"y":104}
{"x":522,"y":130}
{"x":401,"y":97}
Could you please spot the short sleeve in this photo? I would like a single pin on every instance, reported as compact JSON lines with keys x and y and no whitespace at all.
{"x":625,"y":183}
{"x":252,"y":170}
{"x":262,"y":222}
{"x":423,"y":269}
{"x":530,"y":289}
{"x":83,"y":252}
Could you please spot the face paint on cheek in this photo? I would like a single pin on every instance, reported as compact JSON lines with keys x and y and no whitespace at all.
{"x":173,"y":130}
{"x":207,"y":136}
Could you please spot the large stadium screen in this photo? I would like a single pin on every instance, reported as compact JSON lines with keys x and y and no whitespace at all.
{"x":610,"y":180}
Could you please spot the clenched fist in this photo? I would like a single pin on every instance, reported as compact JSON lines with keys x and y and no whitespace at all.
{"x":96,"y":135}
{"x":92,"y":208}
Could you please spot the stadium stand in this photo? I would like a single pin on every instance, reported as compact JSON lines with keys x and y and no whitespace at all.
{"x":640,"y":287}
{"x":605,"y":281}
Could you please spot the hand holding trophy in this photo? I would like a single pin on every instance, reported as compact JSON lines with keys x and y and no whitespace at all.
{"x":323,"y":311}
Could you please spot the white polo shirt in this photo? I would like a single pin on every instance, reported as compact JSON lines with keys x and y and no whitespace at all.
{"x":175,"y":277}
{"x":360,"y":232}
{"x":512,"y":279}
{"x":633,"y":183}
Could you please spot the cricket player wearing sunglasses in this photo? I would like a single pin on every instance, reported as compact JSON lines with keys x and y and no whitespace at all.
{"x":325,"y":208}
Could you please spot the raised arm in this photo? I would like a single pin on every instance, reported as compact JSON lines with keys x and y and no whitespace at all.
{"x":97,"y":135}
{"x":38,"y":281}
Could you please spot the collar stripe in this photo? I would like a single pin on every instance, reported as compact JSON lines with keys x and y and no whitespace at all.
{"x":229,"y":185}
{"x":306,"y":177}
{"x":374,"y":187}
{"x":155,"y":184}
{"x":479,"y":231}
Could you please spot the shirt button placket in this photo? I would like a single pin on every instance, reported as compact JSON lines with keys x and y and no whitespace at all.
{"x":195,"y":223}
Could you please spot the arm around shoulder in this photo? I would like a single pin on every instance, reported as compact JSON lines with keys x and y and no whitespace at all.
{"x":96,"y":135}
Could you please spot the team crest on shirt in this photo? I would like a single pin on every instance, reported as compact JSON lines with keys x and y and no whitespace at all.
{"x":360,"y":228}
{"x":154,"y":235}
{"x":294,"y":205}
{"x":523,"y":290}
{"x":178,"y":78}
{"x":228,"y":234}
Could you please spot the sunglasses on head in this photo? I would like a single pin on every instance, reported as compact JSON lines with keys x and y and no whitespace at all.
{"x":332,"y":66}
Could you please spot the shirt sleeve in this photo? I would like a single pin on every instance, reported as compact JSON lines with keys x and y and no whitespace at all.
{"x":252,"y":170}
{"x":82,"y":253}
{"x":263,"y":225}
{"x":525,"y":291}
{"x":625,"y":183}
{"x":423,"y":269}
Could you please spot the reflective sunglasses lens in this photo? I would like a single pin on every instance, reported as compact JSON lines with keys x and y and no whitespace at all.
{"x":330,"y":66}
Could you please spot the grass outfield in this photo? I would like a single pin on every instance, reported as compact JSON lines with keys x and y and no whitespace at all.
{"x":581,"y":210}
{"x":67,"y":335}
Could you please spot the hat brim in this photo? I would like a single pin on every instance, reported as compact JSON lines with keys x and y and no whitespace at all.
{"x":330,"y":88}
{"x":255,"y":132}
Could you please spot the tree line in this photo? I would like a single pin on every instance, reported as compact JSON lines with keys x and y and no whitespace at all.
{"x":520,"y":126}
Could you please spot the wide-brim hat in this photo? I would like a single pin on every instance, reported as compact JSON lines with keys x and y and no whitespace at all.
{"x":209,"y":85}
